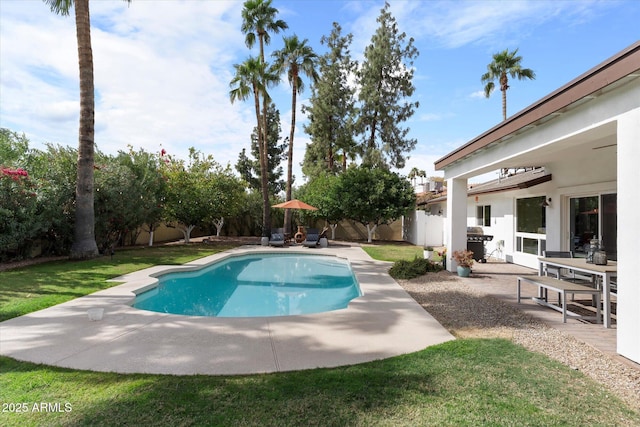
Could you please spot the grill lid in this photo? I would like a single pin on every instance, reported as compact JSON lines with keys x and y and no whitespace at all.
{"x":475,"y":230}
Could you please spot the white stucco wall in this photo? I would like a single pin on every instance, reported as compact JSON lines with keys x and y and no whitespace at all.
{"x":501,"y":227}
{"x":628,"y":316}
{"x":457,"y":216}
{"x":593,"y":148}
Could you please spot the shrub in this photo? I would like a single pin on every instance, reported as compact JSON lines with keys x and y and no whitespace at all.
{"x":20,"y":223}
{"x":464,"y":258}
{"x":405,"y":270}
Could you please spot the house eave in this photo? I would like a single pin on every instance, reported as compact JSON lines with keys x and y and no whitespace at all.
{"x":615,"y":70}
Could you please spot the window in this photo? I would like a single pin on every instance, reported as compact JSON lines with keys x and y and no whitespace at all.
{"x":531,"y":225}
{"x":483,"y":215}
{"x":532,"y":216}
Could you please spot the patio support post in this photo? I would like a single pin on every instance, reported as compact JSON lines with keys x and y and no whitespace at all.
{"x":628,"y":316}
{"x":456,"y":221}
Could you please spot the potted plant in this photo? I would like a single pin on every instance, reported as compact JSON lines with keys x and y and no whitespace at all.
{"x":428,"y":251}
{"x":464,"y":260}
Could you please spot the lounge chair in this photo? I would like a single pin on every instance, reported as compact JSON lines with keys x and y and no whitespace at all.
{"x":313,"y":238}
{"x":277,"y":237}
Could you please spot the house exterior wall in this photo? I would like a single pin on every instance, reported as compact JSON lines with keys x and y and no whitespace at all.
{"x":590,"y":148}
{"x":628,"y":321}
{"x":502,"y":224}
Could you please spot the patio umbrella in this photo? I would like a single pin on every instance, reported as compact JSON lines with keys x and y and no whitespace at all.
{"x":295,"y":204}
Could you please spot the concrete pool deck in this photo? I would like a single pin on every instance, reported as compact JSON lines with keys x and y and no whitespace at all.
{"x":384,"y":322}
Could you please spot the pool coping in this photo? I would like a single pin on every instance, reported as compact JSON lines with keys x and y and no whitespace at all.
{"x":384,"y":322}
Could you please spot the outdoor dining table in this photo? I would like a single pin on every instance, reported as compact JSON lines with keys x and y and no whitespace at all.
{"x":606,"y":272}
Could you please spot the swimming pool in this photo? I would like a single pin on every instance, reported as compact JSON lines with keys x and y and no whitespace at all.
{"x":256,"y":285}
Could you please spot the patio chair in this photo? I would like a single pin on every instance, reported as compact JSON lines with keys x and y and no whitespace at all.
{"x":561,"y":273}
{"x":277,"y":237}
{"x":565,"y":274}
{"x":313,"y":238}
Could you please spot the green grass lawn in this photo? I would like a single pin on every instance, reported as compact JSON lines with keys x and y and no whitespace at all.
{"x":393,"y":252}
{"x":464,"y":382}
{"x":40,"y":286}
{"x":469,"y":382}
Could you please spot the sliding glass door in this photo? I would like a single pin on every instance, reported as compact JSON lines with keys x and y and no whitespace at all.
{"x":593,"y":217}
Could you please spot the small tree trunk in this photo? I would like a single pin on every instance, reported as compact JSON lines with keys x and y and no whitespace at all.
{"x":186,"y":232}
{"x":370,"y":231}
{"x":218,"y":223}
{"x":333,"y":230}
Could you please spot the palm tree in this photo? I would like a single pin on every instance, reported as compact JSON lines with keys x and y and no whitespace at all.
{"x":253,"y":77}
{"x":84,"y":244}
{"x":294,"y":58}
{"x":505,"y":63}
{"x":258,"y":20}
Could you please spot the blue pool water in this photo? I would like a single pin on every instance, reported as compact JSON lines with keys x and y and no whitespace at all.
{"x":256,"y":285}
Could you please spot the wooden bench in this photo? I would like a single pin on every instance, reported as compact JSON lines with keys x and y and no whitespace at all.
{"x":545,"y":283}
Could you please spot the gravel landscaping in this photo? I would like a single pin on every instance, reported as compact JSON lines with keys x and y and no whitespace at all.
{"x":470,"y":313}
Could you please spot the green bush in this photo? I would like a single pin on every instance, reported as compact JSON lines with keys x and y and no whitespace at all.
{"x":19,"y":220}
{"x":405,"y":270}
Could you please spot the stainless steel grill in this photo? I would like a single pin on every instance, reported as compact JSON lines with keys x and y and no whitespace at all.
{"x":476,"y":240}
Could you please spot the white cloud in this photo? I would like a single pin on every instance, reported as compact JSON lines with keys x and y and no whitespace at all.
{"x":161,"y":76}
{"x":162,"y":68}
{"x":429,"y":117}
{"x":453,"y":24}
{"x":477,"y":94}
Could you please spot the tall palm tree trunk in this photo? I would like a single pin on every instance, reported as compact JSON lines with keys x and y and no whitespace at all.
{"x":504,"y":85}
{"x":264,"y":184}
{"x":264,"y":159}
{"x":264,"y":176}
{"x":294,"y":99}
{"x":84,"y":245}
{"x":504,"y":105}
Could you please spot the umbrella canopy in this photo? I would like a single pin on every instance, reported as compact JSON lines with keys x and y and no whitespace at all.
{"x":295,"y":204}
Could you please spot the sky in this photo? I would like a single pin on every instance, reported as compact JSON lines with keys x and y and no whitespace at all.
{"x":162,"y":67}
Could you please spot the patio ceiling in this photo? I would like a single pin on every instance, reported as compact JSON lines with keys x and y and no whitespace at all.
{"x":594,"y":142}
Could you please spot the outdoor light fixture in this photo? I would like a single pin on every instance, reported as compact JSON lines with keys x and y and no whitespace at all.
{"x":546,"y":203}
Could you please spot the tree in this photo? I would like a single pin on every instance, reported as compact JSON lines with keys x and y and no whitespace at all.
{"x":415,"y":174}
{"x":225,"y":196}
{"x":20,"y":224}
{"x":118,"y":202}
{"x":84,"y":245}
{"x":294,"y":59}
{"x":332,"y":109}
{"x":505,"y":64}
{"x":55,"y":171}
{"x":385,"y":80}
{"x":258,"y":20}
{"x":187,"y":204}
{"x":249,"y":168}
{"x":253,"y":77}
{"x":37,"y":190}
{"x":147,"y":171}
{"x":387,"y":197}
{"x":322,"y":192}
{"x":14,"y":147}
